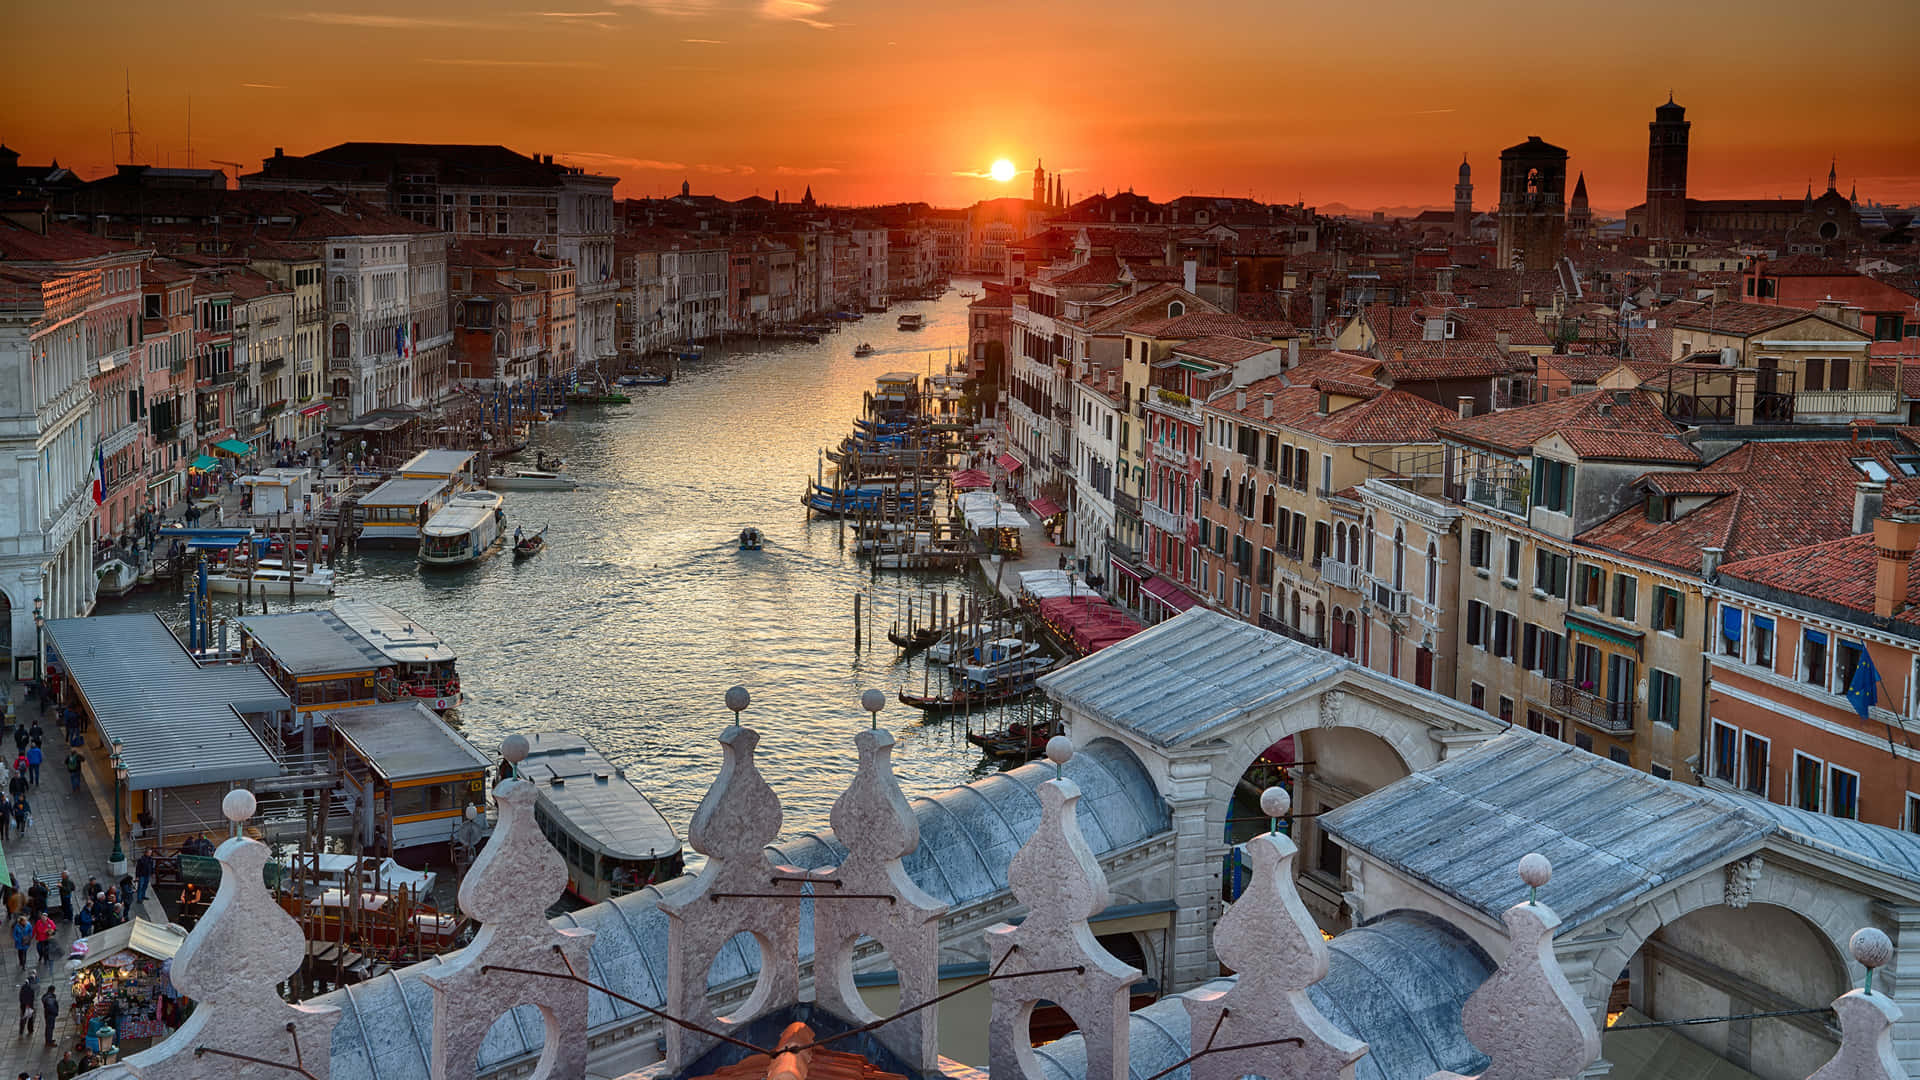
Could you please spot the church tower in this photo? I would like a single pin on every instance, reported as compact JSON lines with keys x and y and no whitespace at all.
{"x":1667,"y":171}
{"x":1463,"y":201}
{"x":1579,"y":217}
{"x":1039,"y":183}
{"x":1533,"y":205}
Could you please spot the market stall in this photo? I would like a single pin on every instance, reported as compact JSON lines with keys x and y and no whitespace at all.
{"x":123,"y":996}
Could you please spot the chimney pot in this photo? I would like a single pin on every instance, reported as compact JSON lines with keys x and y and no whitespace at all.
{"x":1464,"y":403}
{"x":1895,"y":533}
{"x":1267,"y":407}
{"x":1710,"y":561}
{"x":1240,"y":400}
{"x":1868,"y":497}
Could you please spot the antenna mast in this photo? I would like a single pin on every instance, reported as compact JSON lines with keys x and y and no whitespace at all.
{"x":129,"y":132}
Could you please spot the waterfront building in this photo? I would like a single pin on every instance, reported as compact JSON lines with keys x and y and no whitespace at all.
{"x":166,"y":381}
{"x":871,"y":261}
{"x":297,"y":383}
{"x":479,"y":192}
{"x":642,"y":305}
{"x":118,"y":399}
{"x":989,"y":322}
{"x":263,"y":344}
{"x":696,"y":270}
{"x":68,"y":301}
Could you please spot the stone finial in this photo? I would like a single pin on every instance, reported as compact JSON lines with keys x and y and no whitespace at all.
{"x":877,"y":826}
{"x":1526,"y":1016}
{"x":736,"y":820}
{"x":507,"y":891}
{"x":232,"y":964}
{"x":1866,"y":1020}
{"x":1271,"y":942}
{"x":1061,"y":884}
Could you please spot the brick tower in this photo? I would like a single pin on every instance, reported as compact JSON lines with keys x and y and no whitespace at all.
{"x":1533,"y":204}
{"x":1463,"y":201}
{"x":1667,"y":170}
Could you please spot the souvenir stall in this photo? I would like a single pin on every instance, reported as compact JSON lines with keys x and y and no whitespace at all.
{"x":123,"y":997}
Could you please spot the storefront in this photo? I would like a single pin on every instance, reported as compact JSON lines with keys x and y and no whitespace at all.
{"x":123,"y":996}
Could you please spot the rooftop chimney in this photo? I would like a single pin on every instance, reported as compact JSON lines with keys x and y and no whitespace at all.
{"x":1502,"y":339}
{"x":1324,"y":404}
{"x":1710,"y":561}
{"x":1894,"y":536}
{"x":1191,"y":271}
{"x":1266,"y":407}
{"x":279,"y":152}
{"x":1465,"y":403}
{"x":1293,"y":352}
{"x":1868,"y":497}
{"x":1830,"y":308}
{"x":1240,"y":400}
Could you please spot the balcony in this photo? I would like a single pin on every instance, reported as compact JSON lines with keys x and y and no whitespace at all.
{"x":1337,"y":574}
{"x":1122,"y":552}
{"x":1268,"y":622}
{"x":1388,"y":599}
{"x":1167,"y":521}
{"x":1175,"y":401}
{"x":272,"y":364}
{"x":1846,"y":402}
{"x":1126,"y":504}
{"x":1586,"y":707}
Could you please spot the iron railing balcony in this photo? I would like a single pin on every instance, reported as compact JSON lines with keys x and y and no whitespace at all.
{"x":1595,"y":711}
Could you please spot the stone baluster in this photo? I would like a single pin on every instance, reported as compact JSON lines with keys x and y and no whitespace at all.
{"x":507,"y":891}
{"x":1057,"y":879}
{"x":231,"y":966}
{"x":732,"y":827}
{"x":877,"y":826}
{"x":1275,"y":948}
{"x":1866,"y":1020}
{"x":1526,"y":1017}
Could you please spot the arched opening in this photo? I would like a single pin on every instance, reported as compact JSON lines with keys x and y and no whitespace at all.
{"x":1723,"y":961}
{"x":342,"y":342}
{"x":1266,"y":507}
{"x":737,"y":959}
{"x":1340,"y":542}
{"x":1321,"y":768}
{"x":1433,"y":575}
{"x":1176,"y":309}
{"x":876,"y":982}
{"x":1399,"y":559}
{"x":1294,"y":620}
{"x":526,"y":1027}
{"x":1366,"y":550}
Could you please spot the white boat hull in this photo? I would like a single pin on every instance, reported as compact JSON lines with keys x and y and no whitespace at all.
{"x":270,"y":585}
{"x":531,"y":483}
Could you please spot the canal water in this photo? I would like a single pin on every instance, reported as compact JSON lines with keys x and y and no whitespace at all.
{"x":642,"y":611}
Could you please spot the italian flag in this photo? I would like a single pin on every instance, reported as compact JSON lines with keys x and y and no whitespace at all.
{"x":99,"y":476}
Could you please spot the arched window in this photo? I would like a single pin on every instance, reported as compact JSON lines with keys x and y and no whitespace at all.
{"x":1295,"y":613}
{"x":342,"y":341}
{"x":1176,"y":309}
{"x":1366,"y":550}
{"x":1340,"y":542}
{"x":1433,"y":574}
{"x":1399,"y":559}
{"x":340,"y":290}
{"x":1319,"y":619}
{"x":1266,"y":507}
{"x":1226,"y":488}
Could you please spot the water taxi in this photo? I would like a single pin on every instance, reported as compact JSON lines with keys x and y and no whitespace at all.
{"x":464,"y":530}
{"x":394,"y":512}
{"x":751,"y":539}
{"x":613,"y":839}
{"x":912,"y":322}
{"x":531,"y":480}
{"x":863,"y":349}
{"x":418,"y":665}
{"x":268,"y":577}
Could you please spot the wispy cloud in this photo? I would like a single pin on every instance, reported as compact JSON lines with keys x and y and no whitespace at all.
{"x":262,"y":86}
{"x":1432,"y":112}
{"x":679,"y":9}
{"x":578,"y":14}
{"x":805,"y":12}
{"x":644,"y":164}
{"x":484,"y":63}
{"x":794,"y":170}
{"x":701,"y":41}
{"x":725,"y":170}
{"x":379,"y":22}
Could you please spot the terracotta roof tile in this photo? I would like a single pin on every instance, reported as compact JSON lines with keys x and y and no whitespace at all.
{"x":1742,"y":319}
{"x":1516,"y":430}
{"x":1613,"y":444}
{"x":1224,"y":350}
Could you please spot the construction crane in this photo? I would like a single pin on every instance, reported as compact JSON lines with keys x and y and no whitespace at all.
{"x":236,"y":168}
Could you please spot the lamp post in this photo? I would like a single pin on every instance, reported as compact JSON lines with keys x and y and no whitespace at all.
{"x":39,"y":639}
{"x":117,"y":859}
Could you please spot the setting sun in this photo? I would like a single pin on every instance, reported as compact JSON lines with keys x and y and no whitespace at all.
{"x":1002,"y":170}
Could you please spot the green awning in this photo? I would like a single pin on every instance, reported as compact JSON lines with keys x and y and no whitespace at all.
{"x":233,"y":446}
{"x":1629,"y":638}
{"x":203,"y":463}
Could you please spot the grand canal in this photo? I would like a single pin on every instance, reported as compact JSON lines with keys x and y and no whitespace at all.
{"x":641,"y":612}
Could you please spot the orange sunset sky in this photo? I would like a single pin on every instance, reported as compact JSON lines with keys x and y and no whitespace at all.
{"x":1368,"y":103}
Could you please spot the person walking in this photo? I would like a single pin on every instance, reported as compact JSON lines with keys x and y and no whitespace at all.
{"x":29,"y":998}
{"x":50,"y":1010}
{"x":143,"y":870}
{"x":20,"y":737}
{"x":6,"y":816}
{"x":43,"y":931}
{"x":74,"y":761}
{"x":22,"y":815}
{"x":36,"y":899}
{"x":17,"y":786}
{"x":22,"y":938}
{"x":83,"y":921}
{"x":67,"y":889}
{"x":34,"y":757}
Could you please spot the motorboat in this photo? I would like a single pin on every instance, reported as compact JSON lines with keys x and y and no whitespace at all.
{"x":532,"y":480}
{"x":996,"y":651}
{"x":644,"y":380}
{"x":690,"y":351}
{"x":530,"y":544}
{"x":961,"y":640}
{"x":116,"y":577}
{"x":751,"y":539}
{"x":912,"y":322}
{"x":612,"y":837}
{"x":464,"y":530}
{"x":268,"y":577}
{"x":1025,"y":667}
{"x":863,"y":349}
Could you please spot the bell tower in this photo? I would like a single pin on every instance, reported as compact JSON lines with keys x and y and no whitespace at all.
{"x":1039,"y":183}
{"x":1533,"y":205}
{"x":1667,"y":170}
{"x":1463,"y":200}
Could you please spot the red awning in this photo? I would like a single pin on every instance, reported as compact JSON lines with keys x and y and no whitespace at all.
{"x":1008,"y":462}
{"x":315,"y":409}
{"x":1045,"y":507}
{"x":1173,"y":596}
{"x":1120,"y":567}
{"x":967,"y":479}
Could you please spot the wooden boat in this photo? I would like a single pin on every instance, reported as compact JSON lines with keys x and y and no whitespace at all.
{"x":268,"y":577}
{"x":524,"y":546}
{"x":863,"y":349}
{"x":1011,"y":670}
{"x":464,"y":530}
{"x":962,"y":640}
{"x":116,"y":577}
{"x":913,"y":640}
{"x":751,"y":539}
{"x":1015,"y":742}
{"x":613,"y":839}
{"x":532,"y":480}
{"x":644,"y":380}
{"x":912,"y":322}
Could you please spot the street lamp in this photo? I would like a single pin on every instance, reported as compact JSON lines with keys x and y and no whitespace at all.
{"x":39,"y":642}
{"x":117,"y":860}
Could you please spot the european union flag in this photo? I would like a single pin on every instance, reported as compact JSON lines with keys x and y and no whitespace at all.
{"x":1864,"y":690}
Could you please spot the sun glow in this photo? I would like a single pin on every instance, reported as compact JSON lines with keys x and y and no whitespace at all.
{"x":1002,"y":170}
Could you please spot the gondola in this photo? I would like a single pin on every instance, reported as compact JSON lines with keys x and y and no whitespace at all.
{"x":915,"y":640}
{"x":966,"y":699}
{"x":1017,"y":741}
{"x":530,"y":545}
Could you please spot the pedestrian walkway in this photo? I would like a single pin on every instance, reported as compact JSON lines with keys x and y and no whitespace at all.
{"x":71,"y":831}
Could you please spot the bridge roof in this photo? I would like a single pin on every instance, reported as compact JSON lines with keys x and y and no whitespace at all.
{"x":1398,"y":984}
{"x":1613,"y":834}
{"x":967,"y":836}
{"x":1187,"y":678}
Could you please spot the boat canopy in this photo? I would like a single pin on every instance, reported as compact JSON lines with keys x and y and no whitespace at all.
{"x":308,"y":643}
{"x":462,"y":515}
{"x":437,"y":463}
{"x":402,"y":640}
{"x":404,"y":740}
{"x":405,"y":491}
{"x":602,"y":804}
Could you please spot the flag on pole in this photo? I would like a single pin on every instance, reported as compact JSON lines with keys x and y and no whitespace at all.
{"x":1864,"y":690}
{"x":99,"y":476}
